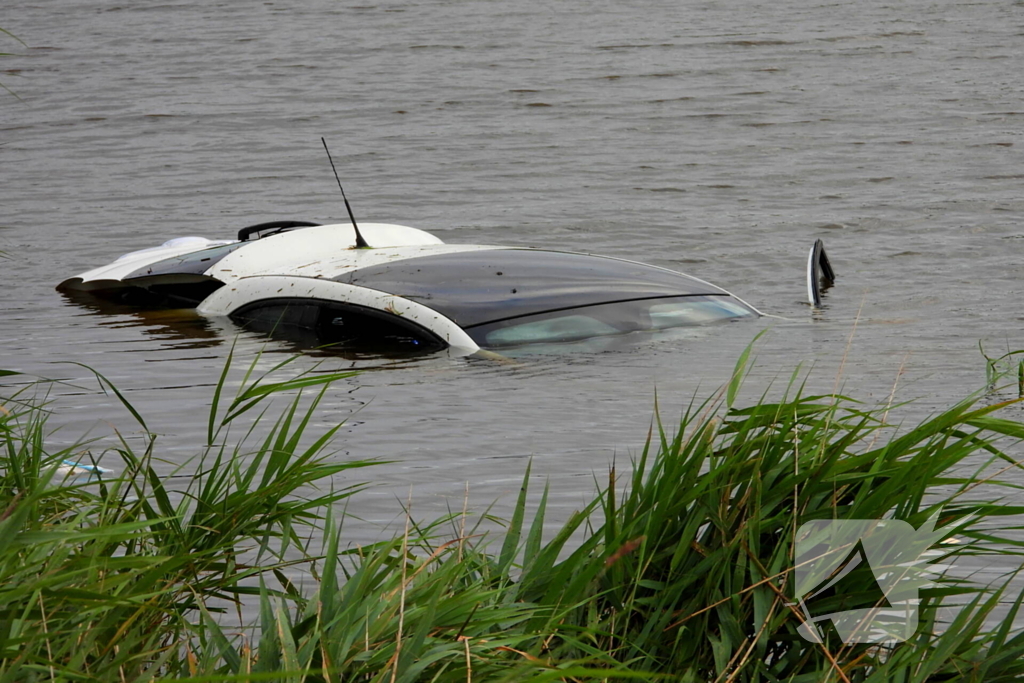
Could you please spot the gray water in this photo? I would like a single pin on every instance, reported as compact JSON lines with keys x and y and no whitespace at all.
{"x":718,"y":138}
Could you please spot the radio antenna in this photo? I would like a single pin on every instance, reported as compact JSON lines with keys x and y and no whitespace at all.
{"x":360,"y":242}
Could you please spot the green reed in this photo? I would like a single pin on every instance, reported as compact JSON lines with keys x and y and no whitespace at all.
{"x":680,"y":569}
{"x":100,"y":580}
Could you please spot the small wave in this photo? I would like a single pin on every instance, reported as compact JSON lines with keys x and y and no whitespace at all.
{"x":767,"y":42}
{"x":639,"y":46}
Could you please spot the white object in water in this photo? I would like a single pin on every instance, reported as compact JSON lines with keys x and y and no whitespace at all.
{"x":70,"y":468}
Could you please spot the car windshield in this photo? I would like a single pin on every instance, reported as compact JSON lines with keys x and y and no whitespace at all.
{"x":195,"y":262}
{"x":606,"y":319}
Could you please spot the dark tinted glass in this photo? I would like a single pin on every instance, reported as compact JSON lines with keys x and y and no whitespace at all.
{"x":195,"y":263}
{"x":605,"y":319}
{"x":313,"y":322}
{"x":477,"y":287}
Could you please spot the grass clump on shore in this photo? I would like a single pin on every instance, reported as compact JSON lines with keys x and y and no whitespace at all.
{"x":100,"y":579}
{"x":683,"y":570}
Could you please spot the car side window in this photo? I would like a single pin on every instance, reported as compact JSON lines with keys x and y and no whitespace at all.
{"x":314,"y":323}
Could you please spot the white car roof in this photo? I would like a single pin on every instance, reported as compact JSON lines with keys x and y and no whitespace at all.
{"x":312,"y":251}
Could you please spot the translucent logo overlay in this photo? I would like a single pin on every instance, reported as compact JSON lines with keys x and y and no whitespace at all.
{"x":863,"y":576}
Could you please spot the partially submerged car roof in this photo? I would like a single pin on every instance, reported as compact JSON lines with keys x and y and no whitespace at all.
{"x":410,"y":288}
{"x":484,"y":286}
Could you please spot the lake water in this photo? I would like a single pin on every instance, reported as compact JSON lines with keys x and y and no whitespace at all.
{"x":719,"y":138}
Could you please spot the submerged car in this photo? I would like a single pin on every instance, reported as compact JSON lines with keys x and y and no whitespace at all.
{"x":406,"y":289}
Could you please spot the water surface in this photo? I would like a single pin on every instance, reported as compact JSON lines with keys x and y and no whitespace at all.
{"x":718,"y":138}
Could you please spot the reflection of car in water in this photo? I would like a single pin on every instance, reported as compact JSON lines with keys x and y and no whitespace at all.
{"x":408,"y":290}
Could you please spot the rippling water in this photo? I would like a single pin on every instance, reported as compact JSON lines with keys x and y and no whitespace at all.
{"x":718,"y":138}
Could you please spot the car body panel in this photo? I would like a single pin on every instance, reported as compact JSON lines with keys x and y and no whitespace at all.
{"x":124,"y":266}
{"x":321,"y":251}
{"x":246,"y":291}
{"x":495,"y":284}
{"x":230,"y":259}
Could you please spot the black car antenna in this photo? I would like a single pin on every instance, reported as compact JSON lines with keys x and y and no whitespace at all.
{"x":360,"y":242}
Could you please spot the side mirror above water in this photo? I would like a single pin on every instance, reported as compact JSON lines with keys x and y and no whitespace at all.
{"x":820,"y":275}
